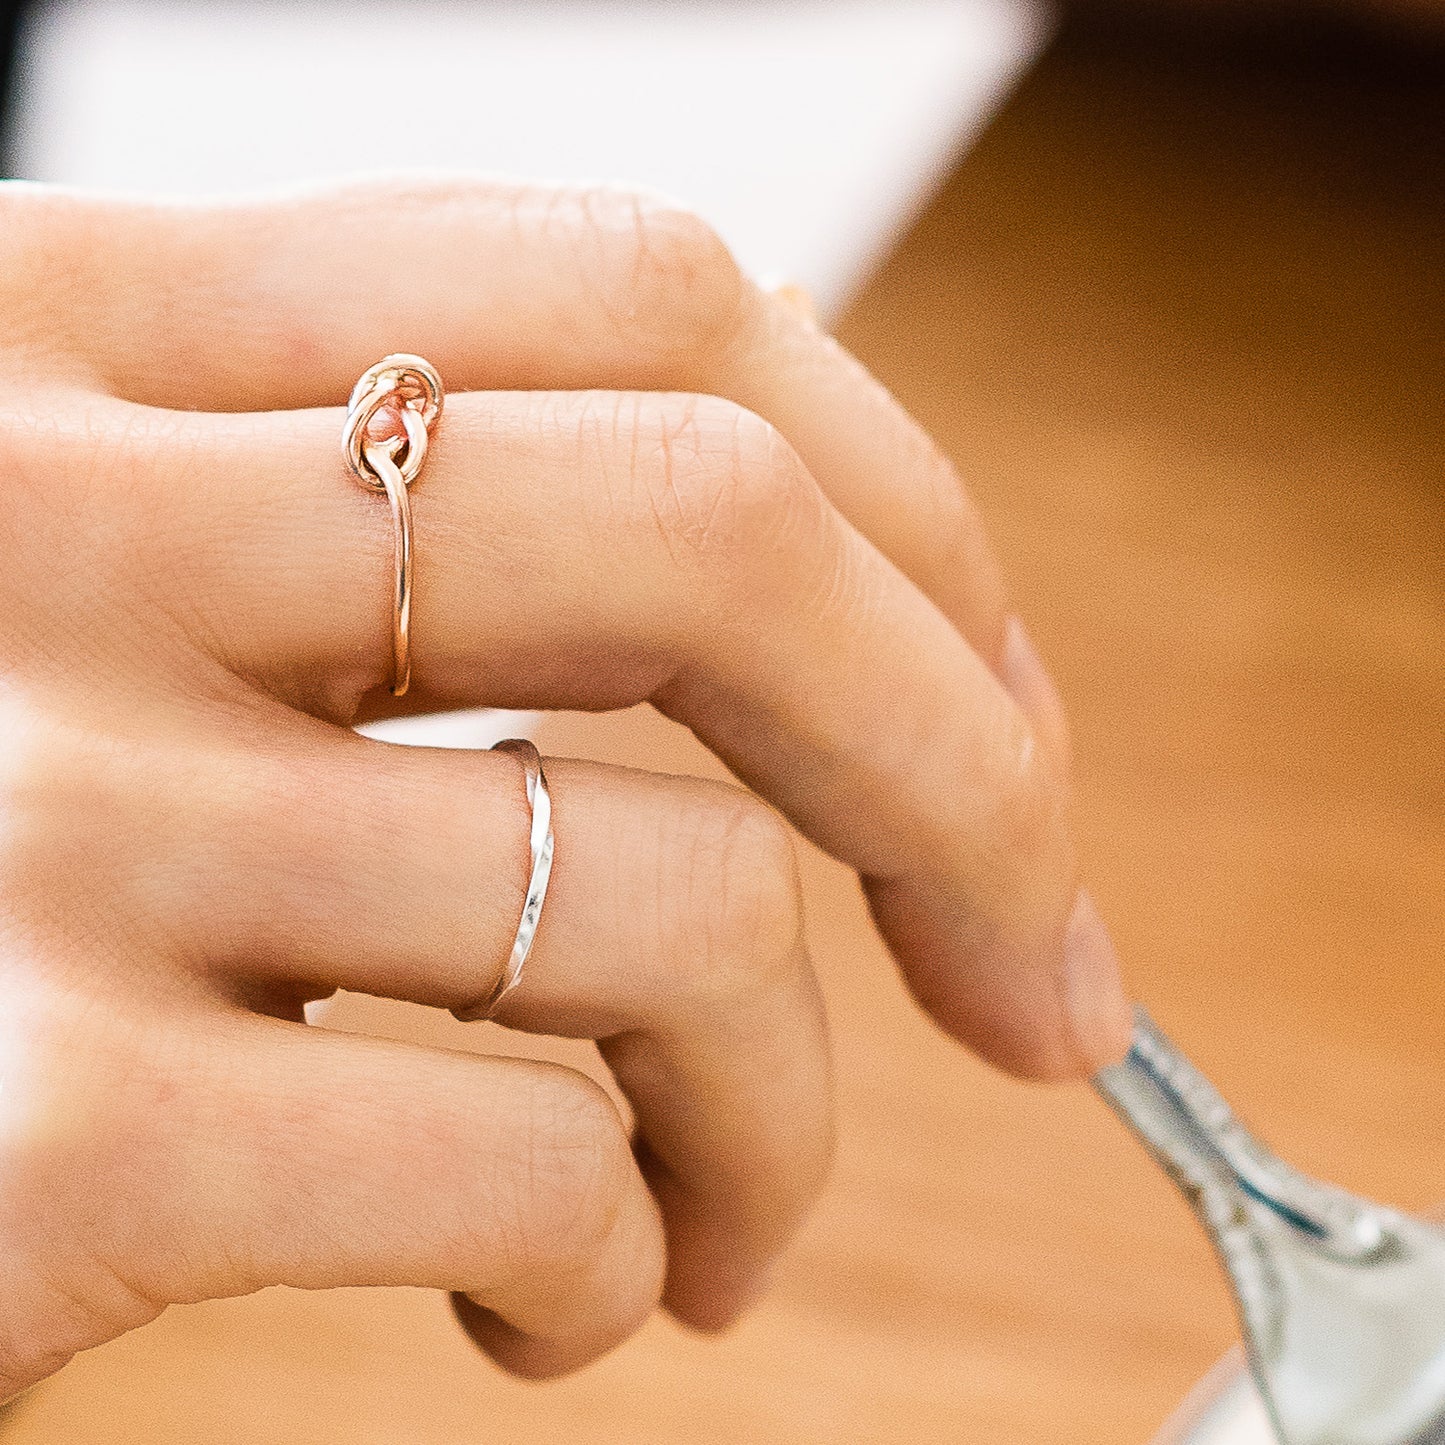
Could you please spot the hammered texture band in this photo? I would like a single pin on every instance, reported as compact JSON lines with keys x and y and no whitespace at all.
{"x":540,"y":802}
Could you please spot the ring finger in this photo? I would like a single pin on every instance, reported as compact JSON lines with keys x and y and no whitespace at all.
{"x":671,"y":934}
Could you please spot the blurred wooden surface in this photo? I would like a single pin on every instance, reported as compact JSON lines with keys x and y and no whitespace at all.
{"x":1183,"y":335}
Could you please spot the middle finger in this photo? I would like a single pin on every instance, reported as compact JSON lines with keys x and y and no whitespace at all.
{"x":671,"y":934}
{"x":262,"y":304}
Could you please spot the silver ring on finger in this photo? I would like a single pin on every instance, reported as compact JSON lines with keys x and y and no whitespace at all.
{"x":539,"y":800}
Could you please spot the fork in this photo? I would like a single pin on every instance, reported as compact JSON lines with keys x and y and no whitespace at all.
{"x":1341,"y":1301}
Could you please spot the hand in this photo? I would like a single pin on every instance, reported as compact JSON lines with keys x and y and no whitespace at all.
{"x":735,"y":523}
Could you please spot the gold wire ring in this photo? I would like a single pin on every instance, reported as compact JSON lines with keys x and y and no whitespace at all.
{"x":410,"y":389}
{"x":539,"y":799}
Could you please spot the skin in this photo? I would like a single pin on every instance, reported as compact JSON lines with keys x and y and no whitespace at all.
{"x":652,"y":481}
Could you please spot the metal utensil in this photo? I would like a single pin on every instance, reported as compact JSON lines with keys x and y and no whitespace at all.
{"x":1341,"y":1301}
{"x":1224,"y":1408}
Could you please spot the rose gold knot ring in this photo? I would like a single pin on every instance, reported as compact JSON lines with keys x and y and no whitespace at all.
{"x":388,"y":423}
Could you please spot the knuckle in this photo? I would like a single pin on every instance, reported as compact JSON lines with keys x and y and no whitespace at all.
{"x":663,"y":279}
{"x":666,"y":280}
{"x":739,"y":927}
{"x":575,"y":1168}
{"x":727,"y":492}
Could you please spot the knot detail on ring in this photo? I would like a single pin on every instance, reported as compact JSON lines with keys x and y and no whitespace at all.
{"x":409,"y":391}
{"x":409,"y":388}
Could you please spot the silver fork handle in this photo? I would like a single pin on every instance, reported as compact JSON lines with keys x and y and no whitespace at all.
{"x":1217,"y":1163}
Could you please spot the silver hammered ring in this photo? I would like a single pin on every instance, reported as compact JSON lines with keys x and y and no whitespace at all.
{"x":539,"y":799}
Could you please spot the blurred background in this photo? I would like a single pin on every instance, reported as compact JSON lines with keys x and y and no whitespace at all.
{"x":1168,"y":281}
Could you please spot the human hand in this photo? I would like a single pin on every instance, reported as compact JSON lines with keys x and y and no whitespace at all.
{"x":735,"y":522}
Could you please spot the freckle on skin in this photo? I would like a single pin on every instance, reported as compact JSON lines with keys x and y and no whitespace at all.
{"x":303,"y":349}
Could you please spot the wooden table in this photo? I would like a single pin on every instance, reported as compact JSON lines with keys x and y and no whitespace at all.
{"x":1177,"y":328}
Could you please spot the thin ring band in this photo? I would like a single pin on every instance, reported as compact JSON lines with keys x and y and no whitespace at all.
{"x":539,"y":799}
{"x":400,"y":500}
{"x":410,"y":389}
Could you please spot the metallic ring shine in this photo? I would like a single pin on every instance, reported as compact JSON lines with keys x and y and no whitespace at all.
{"x":410,"y":389}
{"x":541,"y":843}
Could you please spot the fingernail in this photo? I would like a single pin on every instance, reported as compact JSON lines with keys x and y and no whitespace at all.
{"x":1102,"y":1018}
{"x":1023,"y":673}
{"x":798,"y":299}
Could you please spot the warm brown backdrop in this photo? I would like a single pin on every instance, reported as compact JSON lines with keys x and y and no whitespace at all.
{"x":1182,"y":331}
